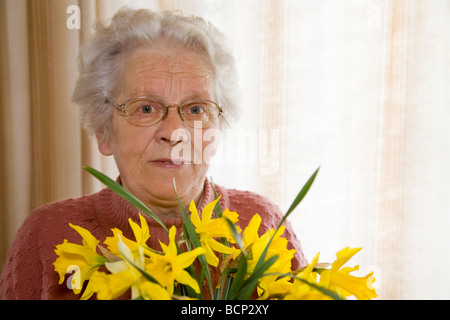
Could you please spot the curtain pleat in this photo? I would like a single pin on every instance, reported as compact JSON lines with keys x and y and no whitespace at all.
{"x":56,"y":137}
{"x":271,"y":99}
{"x":15,"y":122}
{"x":391,"y":141}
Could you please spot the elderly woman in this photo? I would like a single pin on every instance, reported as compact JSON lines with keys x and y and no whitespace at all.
{"x":144,"y":80}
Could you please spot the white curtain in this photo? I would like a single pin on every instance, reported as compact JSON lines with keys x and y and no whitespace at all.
{"x":359,"y":88}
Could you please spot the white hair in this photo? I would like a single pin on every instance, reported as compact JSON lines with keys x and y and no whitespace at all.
{"x":102,"y":59}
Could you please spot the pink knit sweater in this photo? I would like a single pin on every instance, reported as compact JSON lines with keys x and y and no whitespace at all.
{"x":29,"y":271}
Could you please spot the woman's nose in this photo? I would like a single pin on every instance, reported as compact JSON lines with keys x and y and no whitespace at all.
{"x":169,"y":123}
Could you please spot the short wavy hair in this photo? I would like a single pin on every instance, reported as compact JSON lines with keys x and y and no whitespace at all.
{"x":102,"y":59}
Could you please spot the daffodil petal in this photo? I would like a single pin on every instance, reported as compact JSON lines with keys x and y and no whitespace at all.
{"x":153,"y":291}
{"x":343,"y":256}
{"x":185,"y":278}
{"x":207,"y":211}
{"x":112,"y":242}
{"x":231,"y":215}
{"x":250,"y":233}
{"x":211,"y":258}
{"x":88,"y":238}
{"x":141,"y":233}
{"x":360,"y":287}
{"x":218,"y":247}
{"x":111,"y":286}
{"x":172,"y":247}
{"x":116,"y":267}
{"x":124,"y":250}
{"x":306,"y":273}
{"x":194,"y":215}
{"x":185,"y":259}
{"x":88,"y":292}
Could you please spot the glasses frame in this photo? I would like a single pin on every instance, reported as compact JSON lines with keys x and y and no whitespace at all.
{"x":121,"y":108}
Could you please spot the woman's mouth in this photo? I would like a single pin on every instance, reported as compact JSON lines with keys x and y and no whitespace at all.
{"x":168,"y":163}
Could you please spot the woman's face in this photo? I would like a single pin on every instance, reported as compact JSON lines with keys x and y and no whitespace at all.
{"x":144,"y":154}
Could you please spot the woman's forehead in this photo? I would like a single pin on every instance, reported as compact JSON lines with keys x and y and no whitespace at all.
{"x":161,"y":71}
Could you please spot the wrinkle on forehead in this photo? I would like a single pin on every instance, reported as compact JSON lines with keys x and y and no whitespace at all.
{"x":167,"y":72}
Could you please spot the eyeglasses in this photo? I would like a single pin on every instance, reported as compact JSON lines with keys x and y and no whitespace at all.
{"x":147,"y":111}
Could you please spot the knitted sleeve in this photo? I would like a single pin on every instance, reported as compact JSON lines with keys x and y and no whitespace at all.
{"x":22,"y":273}
{"x":28,"y":273}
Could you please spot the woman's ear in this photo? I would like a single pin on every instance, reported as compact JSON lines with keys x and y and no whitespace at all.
{"x":103,"y":144}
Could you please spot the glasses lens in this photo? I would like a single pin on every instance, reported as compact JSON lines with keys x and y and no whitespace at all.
{"x":144,"y":111}
{"x":201,"y":110}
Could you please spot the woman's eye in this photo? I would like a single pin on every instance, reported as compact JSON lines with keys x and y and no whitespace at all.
{"x":147,"y":109}
{"x":196,"y":110}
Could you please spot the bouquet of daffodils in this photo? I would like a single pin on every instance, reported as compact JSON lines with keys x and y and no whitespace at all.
{"x":250,"y":265}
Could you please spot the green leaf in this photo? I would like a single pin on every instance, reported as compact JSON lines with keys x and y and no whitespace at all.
{"x":300,"y":196}
{"x":243,"y":289}
{"x":237,"y":237}
{"x":121,"y":191}
{"x":247,"y":288}
{"x":325,"y":291}
{"x":186,"y":238}
{"x":238,"y":280}
{"x":190,"y":292}
{"x":297,"y":200}
{"x":250,"y":284}
{"x":144,"y":273}
{"x":261,"y":264}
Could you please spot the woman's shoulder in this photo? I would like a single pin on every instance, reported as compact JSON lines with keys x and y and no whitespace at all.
{"x":65,"y":206}
{"x":48,"y":224}
{"x":30,"y":259}
{"x":61,"y":212}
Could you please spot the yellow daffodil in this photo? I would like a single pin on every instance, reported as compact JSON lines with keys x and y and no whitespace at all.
{"x":141,"y":234}
{"x":153,"y":291}
{"x":83,"y":259}
{"x":302,"y":291}
{"x":271,"y":287}
{"x":111,"y":286}
{"x":112,"y":242}
{"x":340,"y":280}
{"x":278,"y":246}
{"x":132,"y":266}
{"x":125,"y":275}
{"x":252,"y":241}
{"x":208,"y":229}
{"x":308,"y":273}
{"x":168,"y":268}
{"x":343,"y":256}
{"x":250,"y":233}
